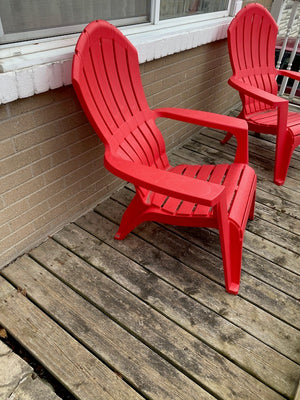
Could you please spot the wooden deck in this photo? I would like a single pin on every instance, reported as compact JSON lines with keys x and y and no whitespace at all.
{"x":148,"y":317}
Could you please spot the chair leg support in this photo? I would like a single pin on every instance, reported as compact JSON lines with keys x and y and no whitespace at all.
{"x":232,"y":260}
{"x":231,"y":239}
{"x":283,"y":157}
{"x":131,"y":217}
{"x":226,"y":138}
{"x":252,"y":209}
{"x":236,"y":250}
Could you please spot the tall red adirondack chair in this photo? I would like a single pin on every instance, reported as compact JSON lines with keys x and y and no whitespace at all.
{"x":107,"y":81}
{"x":251,"y":40}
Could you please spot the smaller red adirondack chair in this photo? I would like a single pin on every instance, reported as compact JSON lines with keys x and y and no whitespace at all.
{"x":251,"y":40}
{"x":107,"y":81}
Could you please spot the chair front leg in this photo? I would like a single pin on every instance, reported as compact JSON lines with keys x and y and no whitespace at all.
{"x":284,"y":146}
{"x":225,"y":241}
{"x":132,"y":217}
{"x":284,"y":152}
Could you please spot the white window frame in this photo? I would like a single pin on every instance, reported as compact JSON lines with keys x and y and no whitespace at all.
{"x":35,"y":66}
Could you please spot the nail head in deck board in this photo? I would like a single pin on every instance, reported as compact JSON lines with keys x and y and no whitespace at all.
{"x":82,"y":373}
{"x":248,"y":352}
{"x":252,"y":319}
{"x":204,"y":364}
{"x":132,"y":359}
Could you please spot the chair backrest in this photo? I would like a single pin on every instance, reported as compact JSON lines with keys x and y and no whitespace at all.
{"x":107,"y":81}
{"x":251,"y":40}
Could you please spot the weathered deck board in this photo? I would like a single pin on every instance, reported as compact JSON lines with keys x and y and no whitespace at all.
{"x":181,"y":308}
{"x":131,"y":359}
{"x":276,"y":302}
{"x":264,"y":176}
{"x":81,"y":372}
{"x":260,"y":267}
{"x":151,"y":327}
{"x":262,"y":155}
{"x":148,"y":317}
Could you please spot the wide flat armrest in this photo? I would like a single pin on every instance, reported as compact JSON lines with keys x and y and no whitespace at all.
{"x":165,"y":182}
{"x":204,"y":118}
{"x":236,"y":126}
{"x":290,"y":74}
{"x":256,"y":93}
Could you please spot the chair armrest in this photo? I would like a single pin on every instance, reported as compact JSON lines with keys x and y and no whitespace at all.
{"x":236,"y":126}
{"x":290,"y":74}
{"x":165,"y":182}
{"x":256,"y":93}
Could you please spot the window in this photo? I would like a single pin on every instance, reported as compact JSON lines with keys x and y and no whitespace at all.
{"x":30,"y":19}
{"x":33,"y":19}
{"x":37,"y":37}
{"x":180,"y":8}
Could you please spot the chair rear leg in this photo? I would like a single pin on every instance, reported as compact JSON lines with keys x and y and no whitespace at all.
{"x":132,"y":217}
{"x":282,"y":160}
{"x":228,"y":134}
{"x":226,"y":138}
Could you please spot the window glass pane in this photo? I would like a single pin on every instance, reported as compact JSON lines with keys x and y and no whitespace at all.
{"x":31,"y":15}
{"x":181,"y":8}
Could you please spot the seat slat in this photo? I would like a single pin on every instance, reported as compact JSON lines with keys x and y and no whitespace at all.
{"x":183,"y":207}
{"x":270,"y":118}
{"x":186,"y":208}
{"x":168,"y":204}
{"x":216,"y":176}
{"x":232,"y":182}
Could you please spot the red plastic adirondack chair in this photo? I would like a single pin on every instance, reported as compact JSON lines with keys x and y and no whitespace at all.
{"x":251,"y":40}
{"x":107,"y":81}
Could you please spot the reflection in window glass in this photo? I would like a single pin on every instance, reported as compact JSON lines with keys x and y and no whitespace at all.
{"x":181,"y":8}
{"x":30,"y":15}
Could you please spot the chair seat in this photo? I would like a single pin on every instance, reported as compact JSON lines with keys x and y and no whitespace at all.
{"x":239,"y":180}
{"x":269,"y":119}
